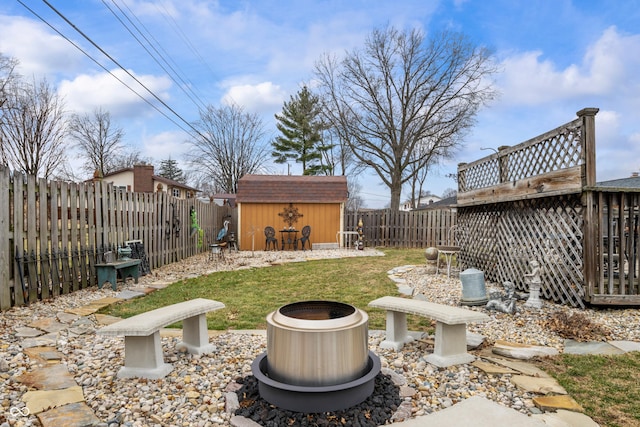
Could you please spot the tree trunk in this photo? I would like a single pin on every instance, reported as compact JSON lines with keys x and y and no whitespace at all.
{"x":396,"y":191}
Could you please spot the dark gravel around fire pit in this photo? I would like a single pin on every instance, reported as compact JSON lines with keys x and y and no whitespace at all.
{"x":376,"y":410}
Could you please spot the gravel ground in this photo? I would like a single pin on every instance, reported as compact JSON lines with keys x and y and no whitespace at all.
{"x":193,"y":394}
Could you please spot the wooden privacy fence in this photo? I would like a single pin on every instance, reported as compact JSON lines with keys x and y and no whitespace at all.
{"x":52,"y":233}
{"x":404,"y":229}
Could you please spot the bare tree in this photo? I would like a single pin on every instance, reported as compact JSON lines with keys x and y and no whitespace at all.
{"x":449,"y":192}
{"x":33,"y":129}
{"x":8,"y":76}
{"x":354,"y":201}
{"x":129,"y":158}
{"x":229,"y":146}
{"x":99,"y":142}
{"x":403,"y":94}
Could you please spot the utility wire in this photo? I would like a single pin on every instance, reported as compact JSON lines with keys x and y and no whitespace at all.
{"x":175,"y":64}
{"x":189,"y":125}
{"x":100,"y":65}
{"x":182,"y":85}
{"x":167,"y":16}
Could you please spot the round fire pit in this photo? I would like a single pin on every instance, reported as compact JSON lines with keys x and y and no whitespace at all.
{"x":317,"y":357}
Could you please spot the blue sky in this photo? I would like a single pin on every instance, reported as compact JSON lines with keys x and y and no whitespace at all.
{"x":555,"y":56}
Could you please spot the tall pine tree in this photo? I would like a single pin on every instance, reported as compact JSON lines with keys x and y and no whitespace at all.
{"x":301,"y":129}
{"x":170,"y":170}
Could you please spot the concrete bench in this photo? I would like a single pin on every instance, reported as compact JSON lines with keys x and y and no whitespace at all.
{"x":142,"y":347}
{"x":451,"y":327}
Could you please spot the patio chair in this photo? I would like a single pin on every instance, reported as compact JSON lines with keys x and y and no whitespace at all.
{"x":270,"y":238}
{"x":306,"y":231}
{"x":455,"y":238}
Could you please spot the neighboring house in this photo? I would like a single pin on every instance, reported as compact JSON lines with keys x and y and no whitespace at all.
{"x":448,"y":203}
{"x":283,"y":201}
{"x":141,"y":179}
{"x":423,"y":202}
{"x":222,"y":199}
{"x":633,"y":182}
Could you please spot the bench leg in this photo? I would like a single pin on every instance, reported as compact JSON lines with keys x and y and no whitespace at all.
{"x":131,"y":271}
{"x":195,"y":338}
{"x":107,"y":274}
{"x":450,"y":346}
{"x":143,"y":358}
{"x":397,"y":335}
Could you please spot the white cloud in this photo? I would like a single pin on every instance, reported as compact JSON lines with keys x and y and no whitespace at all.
{"x":529,"y":79}
{"x":258,"y":98}
{"x":39,"y":51}
{"x":165,"y":145}
{"x":86,"y":92}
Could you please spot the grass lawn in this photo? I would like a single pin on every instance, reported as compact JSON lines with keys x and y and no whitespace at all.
{"x":249,"y":295}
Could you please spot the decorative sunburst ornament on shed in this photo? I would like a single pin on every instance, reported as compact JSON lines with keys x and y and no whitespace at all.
{"x":290,"y":215}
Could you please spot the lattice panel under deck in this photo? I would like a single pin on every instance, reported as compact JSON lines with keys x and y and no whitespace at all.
{"x":504,"y":237}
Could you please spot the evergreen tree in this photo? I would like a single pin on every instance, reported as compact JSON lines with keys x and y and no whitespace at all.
{"x":301,"y":129}
{"x":170,"y":170}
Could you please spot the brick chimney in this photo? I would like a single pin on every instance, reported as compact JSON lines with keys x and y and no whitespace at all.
{"x":143,"y":178}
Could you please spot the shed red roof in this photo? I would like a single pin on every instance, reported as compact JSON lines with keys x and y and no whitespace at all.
{"x":292,"y":189}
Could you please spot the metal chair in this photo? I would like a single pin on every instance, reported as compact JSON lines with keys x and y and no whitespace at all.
{"x":455,"y":239}
{"x":270,"y":238}
{"x":306,"y":231}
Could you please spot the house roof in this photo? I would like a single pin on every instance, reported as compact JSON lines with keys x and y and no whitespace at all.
{"x":158,"y":178}
{"x":292,"y":188}
{"x":623,"y":183}
{"x":449,"y":202}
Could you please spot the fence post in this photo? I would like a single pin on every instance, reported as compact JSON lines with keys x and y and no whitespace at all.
{"x":590,"y":231}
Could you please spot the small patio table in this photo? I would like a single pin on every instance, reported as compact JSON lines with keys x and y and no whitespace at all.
{"x":291,"y":238}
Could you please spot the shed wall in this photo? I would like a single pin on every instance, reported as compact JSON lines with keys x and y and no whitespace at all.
{"x":324,"y":219}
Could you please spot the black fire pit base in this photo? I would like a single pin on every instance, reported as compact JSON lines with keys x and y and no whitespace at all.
{"x":310,"y":399}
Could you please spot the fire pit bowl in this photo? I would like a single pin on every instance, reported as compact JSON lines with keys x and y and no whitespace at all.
{"x":317,"y":357}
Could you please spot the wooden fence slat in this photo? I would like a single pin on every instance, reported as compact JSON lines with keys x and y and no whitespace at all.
{"x":6,"y":260}
{"x":44,"y":207}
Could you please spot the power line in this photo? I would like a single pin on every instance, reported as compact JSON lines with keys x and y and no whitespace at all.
{"x":167,"y":16}
{"x":182,"y":84}
{"x":189,"y":125}
{"x":100,"y":65}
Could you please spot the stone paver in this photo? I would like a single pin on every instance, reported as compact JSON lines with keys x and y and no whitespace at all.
{"x":27,"y":332}
{"x":48,"y":325}
{"x":522,"y":351}
{"x":592,"y":347}
{"x":48,"y":340}
{"x":522,"y":367}
{"x":76,"y":414}
{"x":44,"y":354}
{"x":564,"y":418}
{"x":492,"y":369}
{"x":626,"y":346}
{"x":52,"y":377}
{"x":129,"y":294}
{"x":553,"y":403}
{"x":538,"y":385}
{"x":43,"y":400}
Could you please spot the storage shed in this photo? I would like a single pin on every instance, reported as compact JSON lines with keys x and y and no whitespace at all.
{"x":286,"y":201}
